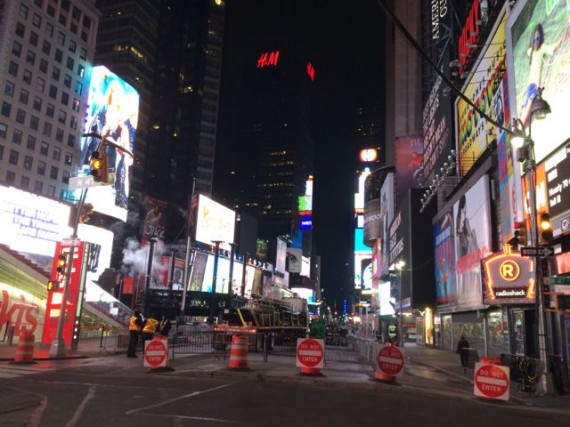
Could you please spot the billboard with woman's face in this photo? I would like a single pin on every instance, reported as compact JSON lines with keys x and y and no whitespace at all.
{"x":538,"y":48}
{"x":472,"y":216}
{"x":111,"y":115}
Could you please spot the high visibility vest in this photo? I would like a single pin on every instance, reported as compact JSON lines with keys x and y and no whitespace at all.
{"x":133,"y":324}
{"x":150,"y":325}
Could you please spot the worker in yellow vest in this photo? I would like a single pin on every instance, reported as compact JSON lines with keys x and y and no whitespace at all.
{"x":135,"y":327}
{"x":149,"y":329}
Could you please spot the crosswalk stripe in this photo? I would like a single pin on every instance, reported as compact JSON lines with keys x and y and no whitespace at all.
{"x":14,"y":371}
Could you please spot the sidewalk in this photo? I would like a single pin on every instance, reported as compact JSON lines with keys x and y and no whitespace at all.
{"x":427,"y":369}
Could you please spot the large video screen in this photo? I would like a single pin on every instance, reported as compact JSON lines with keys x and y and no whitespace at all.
{"x":215,"y":223}
{"x":30,"y":223}
{"x":539,"y":34}
{"x":112,"y":115}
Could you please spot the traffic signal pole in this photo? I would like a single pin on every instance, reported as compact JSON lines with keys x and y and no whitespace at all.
{"x":57,"y":348}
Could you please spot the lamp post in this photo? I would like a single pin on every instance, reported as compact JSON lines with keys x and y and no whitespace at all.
{"x":214,"y":279}
{"x":232,"y":256}
{"x":524,"y":149}
{"x":148,"y":277}
{"x":399,"y":266}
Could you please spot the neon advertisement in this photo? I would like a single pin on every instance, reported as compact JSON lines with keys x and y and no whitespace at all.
{"x":30,"y":223}
{"x":409,"y":160}
{"x":215,"y":222}
{"x":268,"y":59}
{"x":74,"y":301}
{"x":112,"y":115}
{"x":444,"y":239}
{"x":469,"y":34}
{"x":509,"y":279}
{"x":484,"y":88}
{"x":20,"y":310}
{"x":507,"y":199}
{"x":539,"y":37}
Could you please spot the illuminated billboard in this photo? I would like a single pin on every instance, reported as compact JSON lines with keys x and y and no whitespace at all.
{"x":112,"y":115}
{"x":30,"y":223}
{"x":306,"y":200}
{"x":215,"y":223}
{"x":472,"y":215}
{"x":486,"y":87}
{"x":538,"y":48}
{"x":202,"y":275}
{"x":409,"y":160}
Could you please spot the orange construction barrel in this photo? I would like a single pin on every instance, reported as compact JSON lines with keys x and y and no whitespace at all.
{"x":238,"y":352}
{"x":25,"y":348}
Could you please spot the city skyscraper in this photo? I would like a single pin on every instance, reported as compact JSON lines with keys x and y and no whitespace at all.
{"x":127,"y":44}
{"x":46,"y":52}
{"x":272,"y":156}
{"x":171,"y":51}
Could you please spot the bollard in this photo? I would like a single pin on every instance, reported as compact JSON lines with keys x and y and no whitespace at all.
{"x":10,"y":334}
{"x":238,"y":353}
{"x":25,"y":348}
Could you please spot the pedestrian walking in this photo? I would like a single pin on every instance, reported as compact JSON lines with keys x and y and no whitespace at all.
{"x":135,"y":327}
{"x":463,"y":351}
{"x":164,"y":327}
{"x":149,"y":329}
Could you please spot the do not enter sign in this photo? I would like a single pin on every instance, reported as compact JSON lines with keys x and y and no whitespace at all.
{"x":310,"y":353}
{"x":390,"y":360}
{"x":491,"y":381}
{"x":155,"y":353}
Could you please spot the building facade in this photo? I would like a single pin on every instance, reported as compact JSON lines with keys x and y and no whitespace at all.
{"x":46,"y":55}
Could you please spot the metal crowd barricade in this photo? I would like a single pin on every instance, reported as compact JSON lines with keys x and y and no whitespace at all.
{"x":266,"y":344}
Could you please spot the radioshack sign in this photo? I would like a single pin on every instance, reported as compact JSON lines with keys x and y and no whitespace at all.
{"x":509,"y":279}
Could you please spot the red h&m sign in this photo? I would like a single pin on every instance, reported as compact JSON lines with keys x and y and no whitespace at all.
{"x":74,"y":289}
{"x":469,"y":35}
{"x":311,"y":71}
{"x":268,"y":59}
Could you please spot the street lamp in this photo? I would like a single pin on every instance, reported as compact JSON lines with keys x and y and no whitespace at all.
{"x":524,"y":150}
{"x":399,"y":266}
{"x":147,"y":283}
{"x":214,"y":279}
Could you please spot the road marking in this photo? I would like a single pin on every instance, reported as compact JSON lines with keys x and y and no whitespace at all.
{"x":14,"y":371}
{"x":77,"y":415}
{"x":166,"y":402}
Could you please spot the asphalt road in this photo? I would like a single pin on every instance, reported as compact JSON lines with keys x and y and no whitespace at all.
{"x":89,"y":393}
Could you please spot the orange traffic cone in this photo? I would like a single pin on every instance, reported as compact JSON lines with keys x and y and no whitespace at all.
{"x":238,"y":353}
{"x":310,"y":371}
{"x":25,"y":348}
{"x":379,"y":375}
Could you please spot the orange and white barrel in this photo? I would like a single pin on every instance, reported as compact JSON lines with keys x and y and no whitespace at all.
{"x":238,"y":352}
{"x":25,"y":348}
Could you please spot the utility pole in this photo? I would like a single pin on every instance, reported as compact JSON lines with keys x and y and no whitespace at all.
{"x":214,"y":279}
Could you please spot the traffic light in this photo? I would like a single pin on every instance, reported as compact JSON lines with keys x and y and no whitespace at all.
{"x":85,"y":213}
{"x":53,"y":285}
{"x":549,"y":298}
{"x":99,"y":166}
{"x":546,"y":228}
{"x":519,"y":238}
{"x":61,"y":263}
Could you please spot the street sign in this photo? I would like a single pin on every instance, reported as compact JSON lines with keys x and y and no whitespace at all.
{"x":543,"y":251}
{"x":390,"y":360}
{"x":556,"y":280}
{"x":155,"y":353}
{"x":491,"y":381}
{"x":310,"y":353}
{"x":79,"y":182}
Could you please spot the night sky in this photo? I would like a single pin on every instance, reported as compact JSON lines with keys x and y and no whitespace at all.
{"x":345,"y":40}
